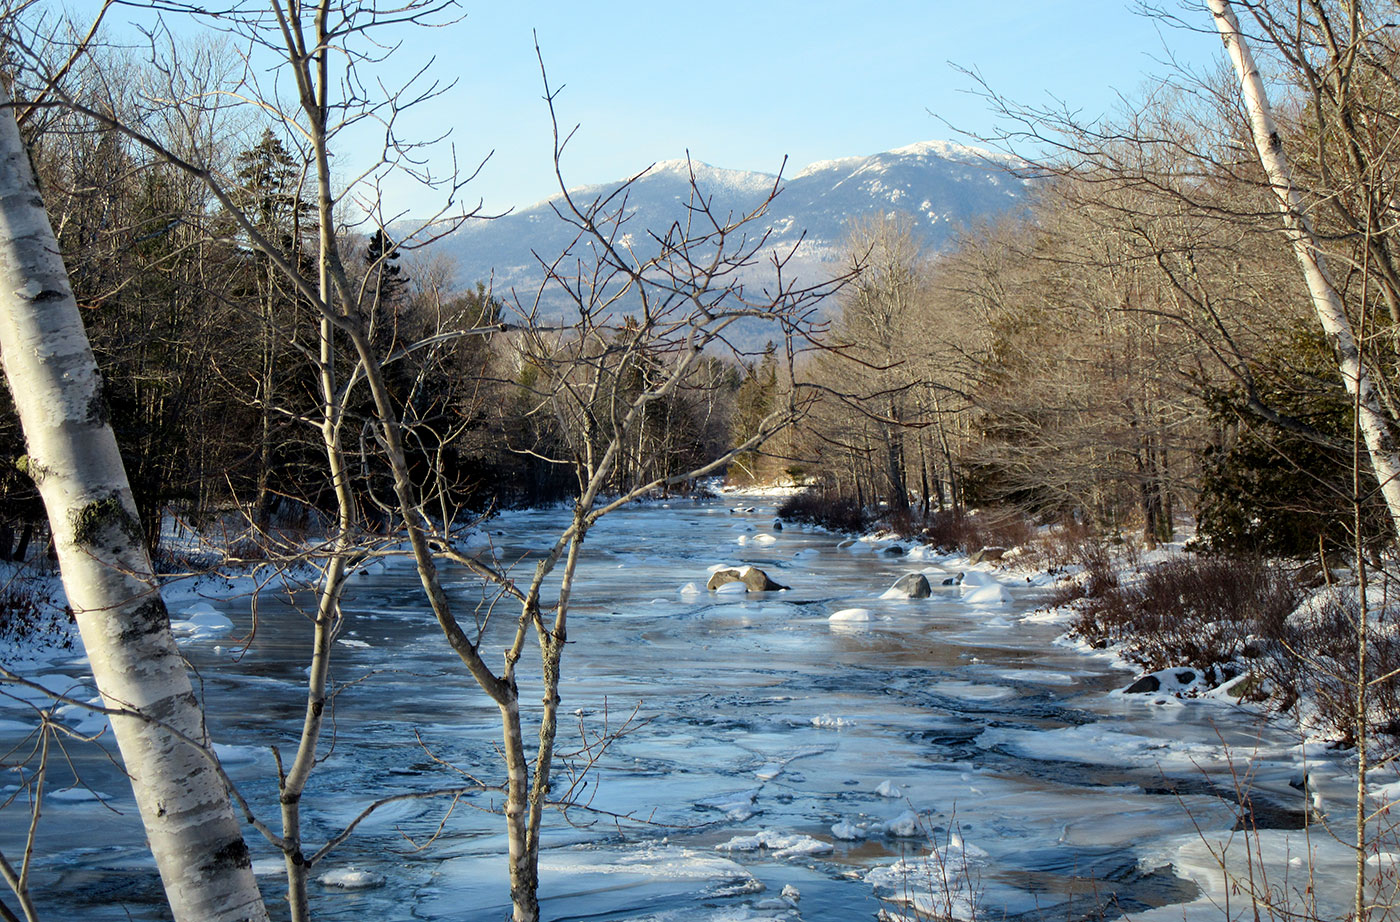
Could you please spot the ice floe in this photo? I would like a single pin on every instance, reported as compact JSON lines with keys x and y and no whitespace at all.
{"x":351,"y":878}
{"x":779,"y":844}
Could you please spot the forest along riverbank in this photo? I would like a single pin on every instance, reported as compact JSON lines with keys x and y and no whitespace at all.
{"x":949,"y":753}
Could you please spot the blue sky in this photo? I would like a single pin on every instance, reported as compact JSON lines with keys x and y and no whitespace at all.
{"x":741,"y":84}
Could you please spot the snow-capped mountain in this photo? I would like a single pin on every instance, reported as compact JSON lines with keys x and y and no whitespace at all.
{"x":941,"y":185}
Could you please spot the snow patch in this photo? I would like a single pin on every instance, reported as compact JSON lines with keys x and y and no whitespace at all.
{"x":769,"y":771}
{"x":74,"y":795}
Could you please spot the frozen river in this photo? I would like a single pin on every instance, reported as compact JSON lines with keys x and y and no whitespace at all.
{"x":782,"y":766}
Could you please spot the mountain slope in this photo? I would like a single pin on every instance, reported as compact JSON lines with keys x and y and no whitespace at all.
{"x":943,"y":186}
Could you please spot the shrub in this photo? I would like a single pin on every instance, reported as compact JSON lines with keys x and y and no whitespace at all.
{"x":24,"y":617}
{"x":1092,"y":556}
{"x":1316,"y":649}
{"x":999,"y":526}
{"x":1204,"y":612}
{"x":948,"y":530}
{"x":825,"y":508}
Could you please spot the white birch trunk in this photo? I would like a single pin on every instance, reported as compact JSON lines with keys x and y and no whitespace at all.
{"x":1371,"y":418}
{"x":72,"y":456}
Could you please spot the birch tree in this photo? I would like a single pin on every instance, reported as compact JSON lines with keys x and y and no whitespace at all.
{"x":1372,"y":420}
{"x":72,"y":457}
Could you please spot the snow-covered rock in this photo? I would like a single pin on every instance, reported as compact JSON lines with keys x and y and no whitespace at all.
{"x":909,"y":586}
{"x":201,"y":621}
{"x":991,"y":593}
{"x":1166,"y":681}
{"x":850,"y":614}
{"x":904,"y":826}
{"x":752,"y":578}
{"x":987,"y":555}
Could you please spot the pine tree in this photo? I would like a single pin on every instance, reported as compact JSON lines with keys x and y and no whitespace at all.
{"x":382,"y":262}
{"x":271,"y":194}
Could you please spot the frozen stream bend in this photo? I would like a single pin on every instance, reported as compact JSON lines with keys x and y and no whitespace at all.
{"x":776,"y":749}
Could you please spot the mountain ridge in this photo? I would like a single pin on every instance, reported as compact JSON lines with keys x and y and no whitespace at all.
{"x":941,"y":184}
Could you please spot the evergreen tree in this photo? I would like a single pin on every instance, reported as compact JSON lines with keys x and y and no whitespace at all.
{"x":271,"y":194}
{"x":390,"y":285}
{"x":755,"y":398}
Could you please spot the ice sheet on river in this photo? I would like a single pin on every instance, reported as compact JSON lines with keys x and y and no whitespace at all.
{"x":1310,"y":875}
{"x":579,"y":881}
{"x":979,"y":719}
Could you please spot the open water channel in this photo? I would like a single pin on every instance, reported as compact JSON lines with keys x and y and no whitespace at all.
{"x":780,"y":766}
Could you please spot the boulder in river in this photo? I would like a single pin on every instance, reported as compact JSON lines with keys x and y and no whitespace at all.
{"x":1143,"y":686}
{"x":752,"y":577}
{"x":1171,"y":680}
{"x":909,"y":586}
